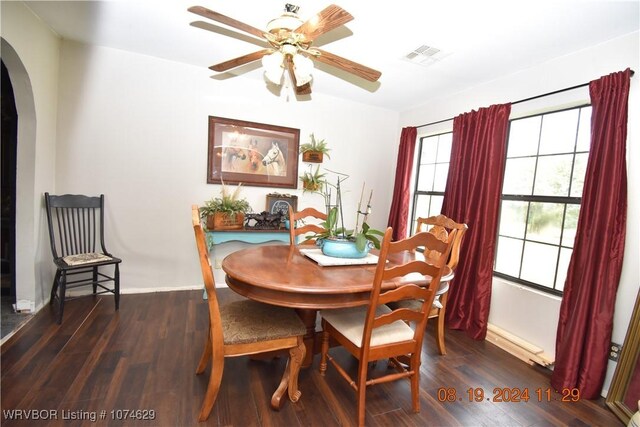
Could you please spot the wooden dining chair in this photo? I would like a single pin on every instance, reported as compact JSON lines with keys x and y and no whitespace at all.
{"x":295,"y":230}
{"x":441,"y":226}
{"x":375,"y":331}
{"x":76,"y":234}
{"x":243,"y":328}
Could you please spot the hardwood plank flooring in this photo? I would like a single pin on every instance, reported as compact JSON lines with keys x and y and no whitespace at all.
{"x":101,"y":363}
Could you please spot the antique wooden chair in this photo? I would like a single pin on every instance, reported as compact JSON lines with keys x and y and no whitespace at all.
{"x":295,"y":230}
{"x":242,"y":328}
{"x":375,"y":331}
{"x":76,"y":228}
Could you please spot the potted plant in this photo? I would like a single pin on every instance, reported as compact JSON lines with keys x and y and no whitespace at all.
{"x":340,"y":242}
{"x":313,"y":181}
{"x":314,"y":151}
{"x":225,"y":212}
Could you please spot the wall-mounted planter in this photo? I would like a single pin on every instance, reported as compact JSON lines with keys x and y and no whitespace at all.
{"x":311,"y":186}
{"x":312,"y":156}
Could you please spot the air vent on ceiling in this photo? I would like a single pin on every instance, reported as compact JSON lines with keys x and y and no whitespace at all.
{"x":425,"y":55}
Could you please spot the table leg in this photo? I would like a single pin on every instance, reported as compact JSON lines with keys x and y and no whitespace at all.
{"x":308,"y":317}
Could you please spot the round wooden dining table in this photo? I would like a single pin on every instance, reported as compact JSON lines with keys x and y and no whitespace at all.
{"x":282,"y":275}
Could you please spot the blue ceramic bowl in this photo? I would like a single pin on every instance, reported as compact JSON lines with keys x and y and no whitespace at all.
{"x":340,"y":248}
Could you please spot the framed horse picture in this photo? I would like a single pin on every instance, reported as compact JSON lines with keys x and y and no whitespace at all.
{"x":251,"y":153}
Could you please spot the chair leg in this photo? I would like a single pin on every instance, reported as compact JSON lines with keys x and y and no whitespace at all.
{"x":95,"y":279}
{"x":116,"y":282}
{"x":207,"y":352}
{"x":415,"y":383}
{"x":54,"y":287}
{"x":324,"y":350}
{"x":361,"y":391}
{"x":215,"y":379}
{"x":63,"y":292}
{"x":440,"y":325}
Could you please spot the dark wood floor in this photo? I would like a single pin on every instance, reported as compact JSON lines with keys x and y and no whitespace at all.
{"x":142,"y":358}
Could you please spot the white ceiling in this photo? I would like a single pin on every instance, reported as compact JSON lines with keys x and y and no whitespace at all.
{"x":485,"y":39}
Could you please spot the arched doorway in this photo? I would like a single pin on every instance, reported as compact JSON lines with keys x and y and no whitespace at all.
{"x":9,"y":130}
{"x":23,"y":173}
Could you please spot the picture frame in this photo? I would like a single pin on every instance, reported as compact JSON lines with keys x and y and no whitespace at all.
{"x":254,"y":154}
{"x":624,"y":391}
{"x":280,"y":203}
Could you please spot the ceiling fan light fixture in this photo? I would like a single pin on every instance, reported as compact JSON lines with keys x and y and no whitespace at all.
{"x":287,"y":21}
{"x":303,"y":69}
{"x":273,"y":69}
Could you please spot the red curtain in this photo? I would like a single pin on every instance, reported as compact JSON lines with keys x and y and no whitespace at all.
{"x":586,"y":312}
{"x":472,"y":196}
{"x":399,"y":214}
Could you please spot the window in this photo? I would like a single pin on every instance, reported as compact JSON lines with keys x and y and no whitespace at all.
{"x":542,"y":190}
{"x":431,"y":177}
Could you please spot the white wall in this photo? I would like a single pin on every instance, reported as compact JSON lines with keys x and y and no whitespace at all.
{"x":526,"y":313}
{"x":134,"y":127}
{"x":32,"y":61}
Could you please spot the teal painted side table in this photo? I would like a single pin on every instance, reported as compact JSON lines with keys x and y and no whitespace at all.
{"x":217,"y":237}
{"x":247,"y":236}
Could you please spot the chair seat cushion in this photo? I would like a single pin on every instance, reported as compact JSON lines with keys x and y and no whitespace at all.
{"x":88,"y":258}
{"x":350,"y":323}
{"x":248,"y":321}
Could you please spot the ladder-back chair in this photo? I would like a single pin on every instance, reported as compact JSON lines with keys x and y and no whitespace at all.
{"x":441,"y":226}
{"x":76,"y":234}
{"x":376,"y":331}
{"x":295,"y":230}
{"x":242,"y":328}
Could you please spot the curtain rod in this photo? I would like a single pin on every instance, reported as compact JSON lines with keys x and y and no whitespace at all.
{"x":524,"y":100}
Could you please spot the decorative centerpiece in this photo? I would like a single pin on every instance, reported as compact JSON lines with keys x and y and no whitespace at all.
{"x":339,"y":242}
{"x":225,"y":212}
{"x":314,"y":151}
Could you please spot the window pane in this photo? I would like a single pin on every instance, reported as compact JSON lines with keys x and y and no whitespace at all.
{"x":545,"y":222}
{"x":570,"y":225}
{"x":539,"y":263}
{"x":429,"y":146}
{"x":584,"y":130}
{"x":513,"y":218}
{"x":518,"y":176}
{"x":444,"y":147}
{"x":579,"y":171}
{"x":523,"y":137}
{"x":421,"y":209}
{"x":553,"y":175}
{"x":436,"y":205}
{"x":563,"y":267}
{"x":425,"y":179}
{"x":559,"y":132}
{"x":508,"y":259}
{"x":442,"y":170}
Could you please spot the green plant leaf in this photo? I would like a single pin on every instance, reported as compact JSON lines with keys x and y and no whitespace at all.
{"x":374,"y":240}
{"x":361,"y":242}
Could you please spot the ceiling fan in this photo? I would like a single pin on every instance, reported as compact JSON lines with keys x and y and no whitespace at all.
{"x":291,"y":40}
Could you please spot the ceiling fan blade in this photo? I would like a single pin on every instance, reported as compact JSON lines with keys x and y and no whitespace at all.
{"x":207,"y":13}
{"x":347,"y":65}
{"x":304,"y":89}
{"x":329,"y":18}
{"x":241,"y":60}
